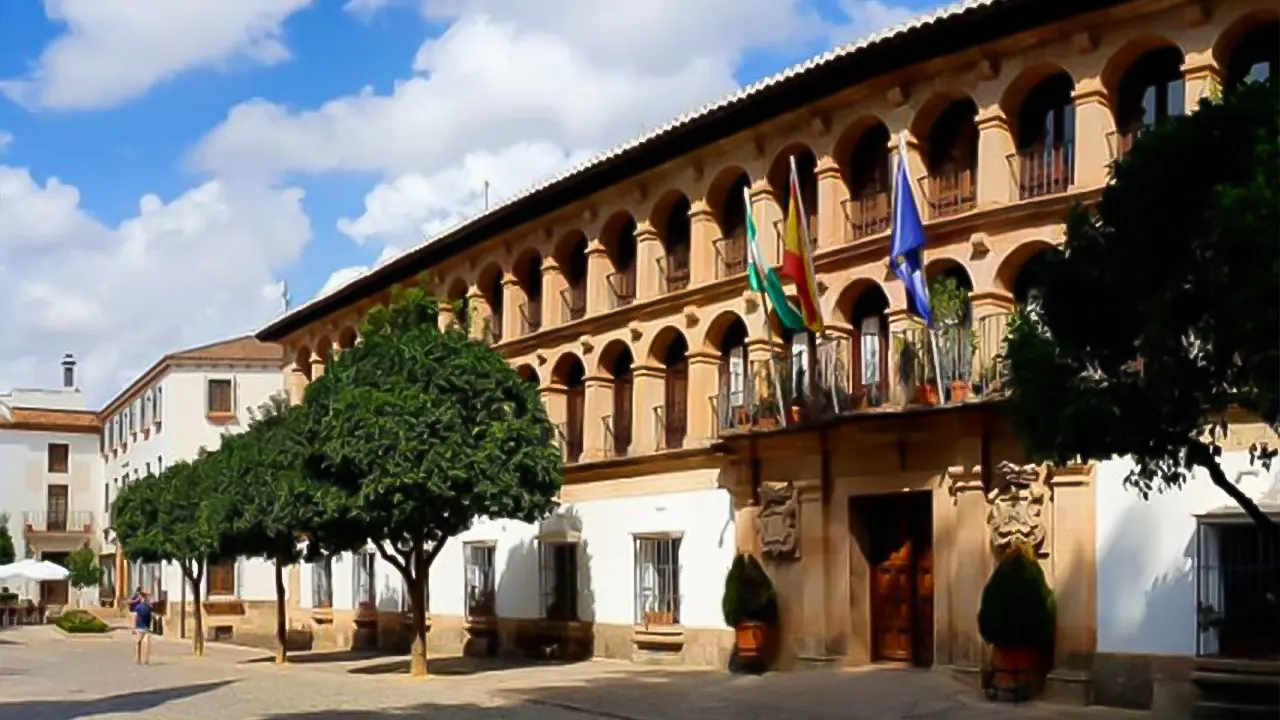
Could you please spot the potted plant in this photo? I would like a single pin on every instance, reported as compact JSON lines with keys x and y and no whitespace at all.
{"x":1018,"y":618}
{"x":750,"y":606}
{"x":926,"y":390}
{"x":796,"y":411}
{"x":767,"y":413}
{"x":949,"y":305}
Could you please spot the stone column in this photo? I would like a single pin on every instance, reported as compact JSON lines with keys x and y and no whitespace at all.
{"x":704,"y":383}
{"x":599,"y":266}
{"x":813,"y":562}
{"x":741,"y":486}
{"x":476,"y":311}
{"x":1202,"y":78}
{"x":996,"y":159}
{"x":832,"y":193}
{"x":317,"y":365}
{"x":648,"y":391}
{"x":1074,"y":565}
{"x":512,"y":297}
{"x":553,"y":286}
{"x":961,"y":519}
{"x":555,"y":398}
{"x":767,"y":214}
{"x":649,"y":252}
{"x":446,"y":316}
{"x":1096,"y":140}
{"x":703,"y":233}
{"x":598,"y":403}
{"x":296,"y":379}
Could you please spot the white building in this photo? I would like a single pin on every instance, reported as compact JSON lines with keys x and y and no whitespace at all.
{"x":186,"y":401}
{"x":49,"y":476}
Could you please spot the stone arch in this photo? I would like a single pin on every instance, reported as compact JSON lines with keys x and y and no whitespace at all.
{"x":944,"y":267}
{"x":1024,"y":84}
{"x":670,"y":219}
{"x":721,"y":325}
{"x":611,"y":354}
{"x":302,"y":361}
{"x":660,"y":211}
{"x":932,"y":109}
{"x":724,"y":208}
{"x":1016,"y":272}
{"x":851,"y":136}
{"x":618,"y":235}
{"x":1255,"y":30}
{"x":854,"y":294}
{"x":1123,"y":59}
{"x":662,"y":341}
{"x":779,"y":176}
{"x":528,"y":373}
{"x":347,"y":338}
{"x":569,"y":369}
{"x":324,"y":348}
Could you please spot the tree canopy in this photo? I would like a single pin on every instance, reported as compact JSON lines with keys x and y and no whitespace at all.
{"x":1159,"y":313}
{"x":7,"y":551}
{"x":426,"y":430}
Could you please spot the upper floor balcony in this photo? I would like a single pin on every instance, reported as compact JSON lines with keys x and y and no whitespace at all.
{"x":57,"y":529}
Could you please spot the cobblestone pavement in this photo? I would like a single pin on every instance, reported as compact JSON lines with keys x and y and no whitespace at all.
{"x":46,"y":676}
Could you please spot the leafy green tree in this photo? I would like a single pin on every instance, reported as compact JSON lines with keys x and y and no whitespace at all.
{"x":1159,"y":314}
{"x":427,"y":430}
{"x":85,"y":572}
{"x":178,"y":516}
{"x":8,"y":553}
{"x":275,"y":499}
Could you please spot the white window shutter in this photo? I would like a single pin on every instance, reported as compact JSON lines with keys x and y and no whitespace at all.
{"x":235,"y":395}
{"x":159,"y":404}
{"x":207,"y":406}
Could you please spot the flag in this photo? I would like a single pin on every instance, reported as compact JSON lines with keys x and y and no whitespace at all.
{"x":797,"y":256}
{"x":906,"y":243}
{"x":762,"y":279}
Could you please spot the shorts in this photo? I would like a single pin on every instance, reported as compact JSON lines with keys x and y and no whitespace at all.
{"x":141,"y":632}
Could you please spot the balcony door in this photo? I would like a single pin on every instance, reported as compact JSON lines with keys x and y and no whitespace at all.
{"x":56,"y":509}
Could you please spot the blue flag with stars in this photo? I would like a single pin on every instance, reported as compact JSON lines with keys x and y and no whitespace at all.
{"x":906,"y":243}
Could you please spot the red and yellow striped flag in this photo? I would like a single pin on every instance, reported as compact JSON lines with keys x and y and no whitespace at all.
{"x":797,"y":257}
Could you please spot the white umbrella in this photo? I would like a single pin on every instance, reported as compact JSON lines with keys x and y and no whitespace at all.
{"x":14,"y":570}
{"x":38,"y":570}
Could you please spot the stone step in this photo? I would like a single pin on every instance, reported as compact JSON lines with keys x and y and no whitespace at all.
{"x":1202,"y":677}
{"x":1205,"y":710}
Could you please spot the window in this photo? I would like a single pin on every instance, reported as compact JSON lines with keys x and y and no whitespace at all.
{"x":146,"y":409}
{"x":133,"y":415}
{"x":157,"y":405}
{"x":106,"y":499}
{"x":115,"y":429}
{"x":125,"y":422}
{"x":159,"y":463}
{"x":59,"y":457}
{"x":1237,"y":564}
{"x":478,"y":561}
{"x":219,"y":397}
{"x":365,"y":591}
{"x":657,"y":580}
{"x":560,"y":580}
{"x":737,"y":377}
{"x":322,"y":583}
{"x":111,"y":435}
{"x":222,"y":578}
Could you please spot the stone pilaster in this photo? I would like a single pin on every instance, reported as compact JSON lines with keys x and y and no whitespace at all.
{"x":649,"y":253}
{"x":598,"y":403}
{"x":832,"y":193}
{"x":1096,"y":140}
{"x":704,"y":384}
{"x":997,"y":159}
{"x":598,"y":268}
{"x":703,"y":233}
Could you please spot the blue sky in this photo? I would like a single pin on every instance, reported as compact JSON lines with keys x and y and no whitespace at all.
{"x":302,"y":140}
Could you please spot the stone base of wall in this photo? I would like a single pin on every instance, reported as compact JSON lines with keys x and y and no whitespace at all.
{"x":1160,"y":683}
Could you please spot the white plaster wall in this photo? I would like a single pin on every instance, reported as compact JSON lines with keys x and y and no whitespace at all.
{"x":184,"y":399}
{"x":1146,"y":554}
{"x":141,"y":453}
{"x":255,"y":581}
{"x":24,"y":476}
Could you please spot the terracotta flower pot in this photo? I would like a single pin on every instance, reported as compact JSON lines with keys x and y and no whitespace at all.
{"x":927,"y":394}
{"x":959,"y":391}
{"x":1014,"y":668}
{"x":751,"y":637}
{"x":796,"y":414}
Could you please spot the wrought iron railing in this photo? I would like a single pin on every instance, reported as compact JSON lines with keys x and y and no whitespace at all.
{"x":574,"y":300}
{"x":1237,"y":589}
{"x":569,"y":440}
{"x":75,"y":521}
{"x":1045,"y":170}
{"x":530,"y":317}
{"x":952,"y":191}
{"x":622,"y":286}
{"x":954,"y":364}
{"x":617,"y":436}
{"x":673,"y":271}
{"x":867,"y":214}
{"x":669,"y":427}
{"x":731,"y":255}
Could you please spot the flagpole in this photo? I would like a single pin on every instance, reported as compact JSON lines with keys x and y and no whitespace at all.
{"x":811,"y":347}
{"x":764,"y":300}
{"x":937,"y":364}
{"x":933,"y":332}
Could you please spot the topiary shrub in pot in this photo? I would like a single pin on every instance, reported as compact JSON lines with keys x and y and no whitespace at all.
{"x":750,"y":607}
{"x":1018,"y":618}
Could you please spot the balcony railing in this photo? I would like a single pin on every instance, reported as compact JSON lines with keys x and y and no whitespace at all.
{"x":491,"y":333}
{"x":673,"y":271}
{"x":75,"y":521}
{"x":731,"y":255}
{"x":669,"y":427}
{"x":530,"y":317}
{"x":574,"y":300}
{"x":1045,"y":171}
{"x":968,"y":362}
{"x":866,"y":215}
{"x":569,"y":440}
{"x":952,"y":191}
{"x":617,"y":436}
{"x":622,"y":286}
{"x":779,"y":231}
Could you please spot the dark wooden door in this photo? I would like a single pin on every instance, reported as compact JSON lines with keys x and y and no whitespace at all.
{"x":55,"y":592}
{"x":57,"y":509}
{"x":677,"y":393}
{"x":622,"y":390}
{"x":577,"y":400}
{"x":902,"y":579}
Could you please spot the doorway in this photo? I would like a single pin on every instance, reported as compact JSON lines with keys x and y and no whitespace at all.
{"x":55,"y":592}
{"x":900,"y":527}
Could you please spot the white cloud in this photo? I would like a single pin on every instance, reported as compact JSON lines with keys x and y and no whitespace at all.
{"x":115,"y":50}
{"x":194,"y":269}
{"x":865,"y":17}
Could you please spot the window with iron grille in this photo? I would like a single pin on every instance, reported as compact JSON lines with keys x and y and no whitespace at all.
{"x":322,"y":583}
{"x":657,"y":580}
{"x":364,"y":589}
{"x":559,"y":578}
{"x":478,"y":559}
{"x":1237,"y":588}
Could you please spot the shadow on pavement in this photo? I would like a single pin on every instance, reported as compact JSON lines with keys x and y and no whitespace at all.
{"x":134,"y":702}
{"x":452,"y":666}
{"x":319,"y":657}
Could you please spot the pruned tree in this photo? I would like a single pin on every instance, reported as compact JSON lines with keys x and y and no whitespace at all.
{"x":275,"y":498}
{"x":84,"y":570}
{"x":427,"y":430}
{"x":1160,"y":312}
{"x":8,"y":553}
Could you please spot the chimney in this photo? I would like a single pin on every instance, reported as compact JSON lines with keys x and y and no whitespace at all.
{"x":69,"y":371}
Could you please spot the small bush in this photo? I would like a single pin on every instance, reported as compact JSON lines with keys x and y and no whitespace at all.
{"x":1018,"y":608}
{"x":749,"y":595}
{"x":79,"y":621}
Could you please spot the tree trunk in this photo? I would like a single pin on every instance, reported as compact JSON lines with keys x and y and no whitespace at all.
{"x":282,"y":629}
{"x":418,"y":604}
{"x":1201,"y":455}
{"x":197,"y":636}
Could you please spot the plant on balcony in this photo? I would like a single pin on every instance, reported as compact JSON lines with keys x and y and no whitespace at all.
{"x":468,"y":438}
{"x":750,"y":606}
{"x":1018,"y":618}
{"x":1159,"y":317}
{"x":7,"y":551}
{"x":949,"y":304}
{"x":85,"y":571}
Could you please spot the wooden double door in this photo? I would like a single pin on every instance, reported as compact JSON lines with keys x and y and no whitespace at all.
{"x":901,"y":562}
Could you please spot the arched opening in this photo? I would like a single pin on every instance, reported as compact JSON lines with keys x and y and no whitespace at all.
{"x":674,"y":419}
{"x":570,"y":373}
{"x":620,"y":243}
{"x":1151,"y":90}
{"x":347,"y":338}
{"x":954,"y":340}
{"x":529,"y":374}
{"x":806,"y":164}
{"x":734,"y":398}
{"x":1045,"y":140}
{"x":951,"y":159}
{"x":324,"y":351}
{"x":457,"y":297}
{"x":1256,"y":58}
{"x":302,"y":363}
{"x":528,"y":272}
{"x":730,"y":206}
{"x":868,"y":175}
{"x":866,"y":311}
{"x":492,"y":291}
{"x":616,"y":360}
{"x":571,"y":256}
{"x":674,"y":230}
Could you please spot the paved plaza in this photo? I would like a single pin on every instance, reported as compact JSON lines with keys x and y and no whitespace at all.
{"x":46,"y":676}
